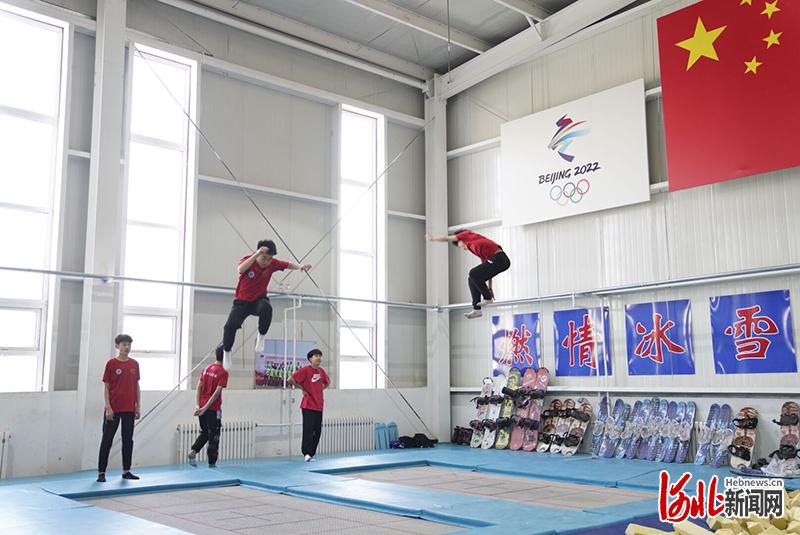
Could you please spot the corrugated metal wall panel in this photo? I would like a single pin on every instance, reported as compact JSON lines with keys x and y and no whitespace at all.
{"x":405,"y":179}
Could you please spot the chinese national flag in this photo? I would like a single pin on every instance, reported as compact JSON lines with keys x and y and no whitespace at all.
{"x":730,"y":80}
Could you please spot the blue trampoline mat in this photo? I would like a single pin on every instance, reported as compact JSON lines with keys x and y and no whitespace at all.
{"x":39,"y":505}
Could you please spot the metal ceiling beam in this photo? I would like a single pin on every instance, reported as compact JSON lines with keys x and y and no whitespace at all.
{"x":423,"y":24}
{"x":289,"y":32}
{"x":525,"y":8}
{"x":527,"y":44}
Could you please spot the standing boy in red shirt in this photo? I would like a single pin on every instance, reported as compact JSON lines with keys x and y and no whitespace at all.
{"x":209,"y":409}
{"x":122,"y":395}
{"x":255,"y":271}
{"x":493,"y":262}
{"x":313,"y":380}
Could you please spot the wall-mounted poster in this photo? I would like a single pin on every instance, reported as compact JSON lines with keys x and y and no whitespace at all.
{"x":270,"y":362}
{"x":582,"y":342}
{"x":516,"y":341}
{"x":752,"y":333}
{"x":583,"y":156}
{"x":659,"y":338}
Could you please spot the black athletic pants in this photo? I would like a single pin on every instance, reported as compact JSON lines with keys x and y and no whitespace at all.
{"x":312,"y":428}
{"x":210,"y":430}
{"x":109,"y":430}
{"x":481,"y":273}
{"x":240,"y":310}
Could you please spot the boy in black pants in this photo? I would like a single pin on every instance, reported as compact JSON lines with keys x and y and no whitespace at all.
{"x":313,"y":380}
{"x":493,"y":262}
{"x":255,"y":271}
{"x":209,"y":409}
{"x":122,"y":395}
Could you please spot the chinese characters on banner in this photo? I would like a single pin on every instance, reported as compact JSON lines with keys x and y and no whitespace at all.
{"x":516,"y":341}
{"x":659,"y":338}
{"x":582,"y":342}
{"x":752,"y":333}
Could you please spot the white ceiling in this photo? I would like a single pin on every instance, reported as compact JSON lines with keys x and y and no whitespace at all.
{"x":485,"y":20}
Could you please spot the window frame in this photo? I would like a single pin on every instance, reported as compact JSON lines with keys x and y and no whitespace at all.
{"x":45,"y":305}
{"x":180,"y":351}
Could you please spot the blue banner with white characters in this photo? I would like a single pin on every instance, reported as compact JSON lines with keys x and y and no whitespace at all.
{"x":659,"y":338}
{"x":752,"y":333}
{"x":582,"y":342}
{"x":516,"y":341}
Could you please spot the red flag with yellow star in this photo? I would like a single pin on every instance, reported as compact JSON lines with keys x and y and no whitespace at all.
{"x":730,"y":82}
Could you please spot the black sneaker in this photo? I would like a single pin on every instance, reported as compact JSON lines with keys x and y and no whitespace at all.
{"x":129,"y":475}
{"x":101,"y":478}
{"x":212,"y":465}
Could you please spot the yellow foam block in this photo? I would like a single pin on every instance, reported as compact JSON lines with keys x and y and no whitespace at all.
{"x":714,"y":522}
{"x":636,"y":529}
{"x":772,"y":530}
{"x":794,"y":513}
{"x":794,"y":501}
{"x":793,"y":527}
{"x":725,"y":532}
{"x":755,"y":528}
{"x":780,"y":522}
{"x":687,"y":528}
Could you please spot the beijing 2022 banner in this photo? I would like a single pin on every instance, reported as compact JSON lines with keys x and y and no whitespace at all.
{"x":753,"y":333}
{"x":516,"y":341}
{"x":583,"y":156}
{"x":659,"y":338}
{"x":582,"y":342}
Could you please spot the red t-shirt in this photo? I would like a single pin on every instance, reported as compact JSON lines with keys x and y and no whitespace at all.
{"x":253,"y":282}
{"x":480,"y":246}
{"x":213,"y":376}
{"x":122,"y":378}
{"x":313,"y":382}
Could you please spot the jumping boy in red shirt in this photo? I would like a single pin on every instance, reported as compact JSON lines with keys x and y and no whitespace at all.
{"x":209,"y":409}
{"x":122,"y":396}
{"x":255,"y":271}
{"x":493,"y":262}
{"x":313,"y":380}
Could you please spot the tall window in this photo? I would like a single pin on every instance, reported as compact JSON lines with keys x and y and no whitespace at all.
{"x":361,"y":153}
{"x":31,"y":60}
{"x":158,"y":164}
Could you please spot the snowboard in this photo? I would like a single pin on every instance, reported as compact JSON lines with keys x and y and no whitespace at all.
{"x":581,"y":416}
{"x":482,"y":407}
{"x":550,"y":417}
{"x":684,"y":435}
{"x":523,"y":404}
{"x":533,"y":422}
{"x":490,"y":425}
{"x":562,"y":426}
{"x":630,"y":430}
{"x":744,"y":439}
{"x":723,"y":437}
{"x":647,"y":429}
{"x":598,"y":429}
{"x":675,"y":412}
{"x":706,"y":434}
{"x":657,"y":424}
{"x":507,"y":409}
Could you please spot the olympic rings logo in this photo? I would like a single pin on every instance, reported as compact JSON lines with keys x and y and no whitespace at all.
{"x":569,"y":192}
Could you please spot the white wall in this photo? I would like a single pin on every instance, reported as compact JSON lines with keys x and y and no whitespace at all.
{"x":270,"y":139}
{"x":709,"y":230}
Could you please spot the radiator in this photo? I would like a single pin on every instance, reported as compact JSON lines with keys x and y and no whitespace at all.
{"x":347,"y":434}
{"x":4,"y":438}
{"x":237,"y":440}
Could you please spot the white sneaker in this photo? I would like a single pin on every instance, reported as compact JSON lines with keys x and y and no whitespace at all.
{"x":192,"y":458}
{"x":307,"y":458}
{"x":473,"y":314}
{"x":226,"y":360}
{"x":486,"y":302}
{"x":260,"y":342}
{"x":312,"y":460}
